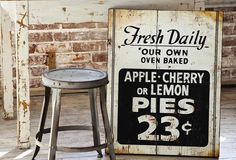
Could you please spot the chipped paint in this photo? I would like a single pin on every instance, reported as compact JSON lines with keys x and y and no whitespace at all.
{"x":21,"y":22}
{"x":128,"y":16}
{"x":101,"y":2}
{"x":123,"y":149}
{"x":25,"y":105}
{"x":91,"y":13}
{"x":211,"y":15}
{"x":78,"y":58}
{"x":6,"y":63}
{"x":64,"y":9}
{"x":22,"y":75}
{"x":215,"y":153}
{"x":7,"y":115}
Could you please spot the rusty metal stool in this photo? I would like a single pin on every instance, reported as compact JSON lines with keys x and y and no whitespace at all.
{"x":74,"y":78}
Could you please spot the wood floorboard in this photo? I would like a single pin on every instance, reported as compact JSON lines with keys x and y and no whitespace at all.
{"x":76,"y":110}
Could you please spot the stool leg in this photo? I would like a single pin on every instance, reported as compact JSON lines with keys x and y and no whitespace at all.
{"x":94,"y":115}
{"x":42,"y":119}
{"x":56,"y":107}
{"x":106,"y":123}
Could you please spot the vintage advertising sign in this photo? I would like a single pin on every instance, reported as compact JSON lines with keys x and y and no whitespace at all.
{"x":164,"y":91}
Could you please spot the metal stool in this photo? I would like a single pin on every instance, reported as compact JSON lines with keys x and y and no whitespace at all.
{"x":74,"y":78}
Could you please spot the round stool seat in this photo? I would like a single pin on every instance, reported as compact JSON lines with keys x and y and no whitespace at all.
{"x":74,"y":78}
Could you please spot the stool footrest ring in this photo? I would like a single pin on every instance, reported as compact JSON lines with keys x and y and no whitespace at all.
{"x":74,"y":149}
{"x":67,"y":128}
{"x":81,"y":149}
{"x":70,"y":149}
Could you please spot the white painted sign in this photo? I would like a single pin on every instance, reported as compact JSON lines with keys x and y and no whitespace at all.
{"x":164,"y":90}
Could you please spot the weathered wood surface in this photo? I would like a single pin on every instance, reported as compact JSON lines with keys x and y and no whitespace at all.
{"x":75,"y":109}
{"x":93,"y":10}
{"x":127,"y":55}
{"x":7,"y":64}
{"x":43,"y":12}
{"x":22,"y":75}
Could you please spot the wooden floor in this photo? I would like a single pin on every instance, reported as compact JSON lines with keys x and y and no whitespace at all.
{"x":72,"y":113}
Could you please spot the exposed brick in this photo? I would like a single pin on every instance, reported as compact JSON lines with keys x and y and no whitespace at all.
{"x":226,"y":9}
{"x":81,"y":57}
{"x":44,"y":26}
{"x":74,"y":65}
{"x":58,"y":47}
{"x":229,"y":62}
{"x":229,"y":51}
{"x":40,"y":37}
{"x":229,"y":41}
{"x":99,"y":60}
{"x":37,"y":59}
{"x":43,"y":48}
{"x":32,"y":48}
{"x":63,"y":47}
{"x":91,"y":65}
{"x":99,"y":57}
{"x":89,"y":46}
{"x":78,"y":25}
{"x":225,"y":74}
{"x":61,"y":36}
{"x":88,"y":35}
{"x":233,"y":73}
{"x":100,"y":66}
{"x":98,"y":35}
{"x":230,"y":17}
{"x":77,"y":36}
{"x":73,"y":58}
{"x":229,"y":30}
{"x":36,"y":82}
{"x":37,"y":71}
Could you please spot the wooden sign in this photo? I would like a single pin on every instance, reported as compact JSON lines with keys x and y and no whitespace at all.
{"x":164,"y":90}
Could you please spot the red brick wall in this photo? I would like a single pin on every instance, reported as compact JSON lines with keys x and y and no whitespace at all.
{"x":66,"y":45}
{"x":229,"y":45}
{"x":84,"y":45}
